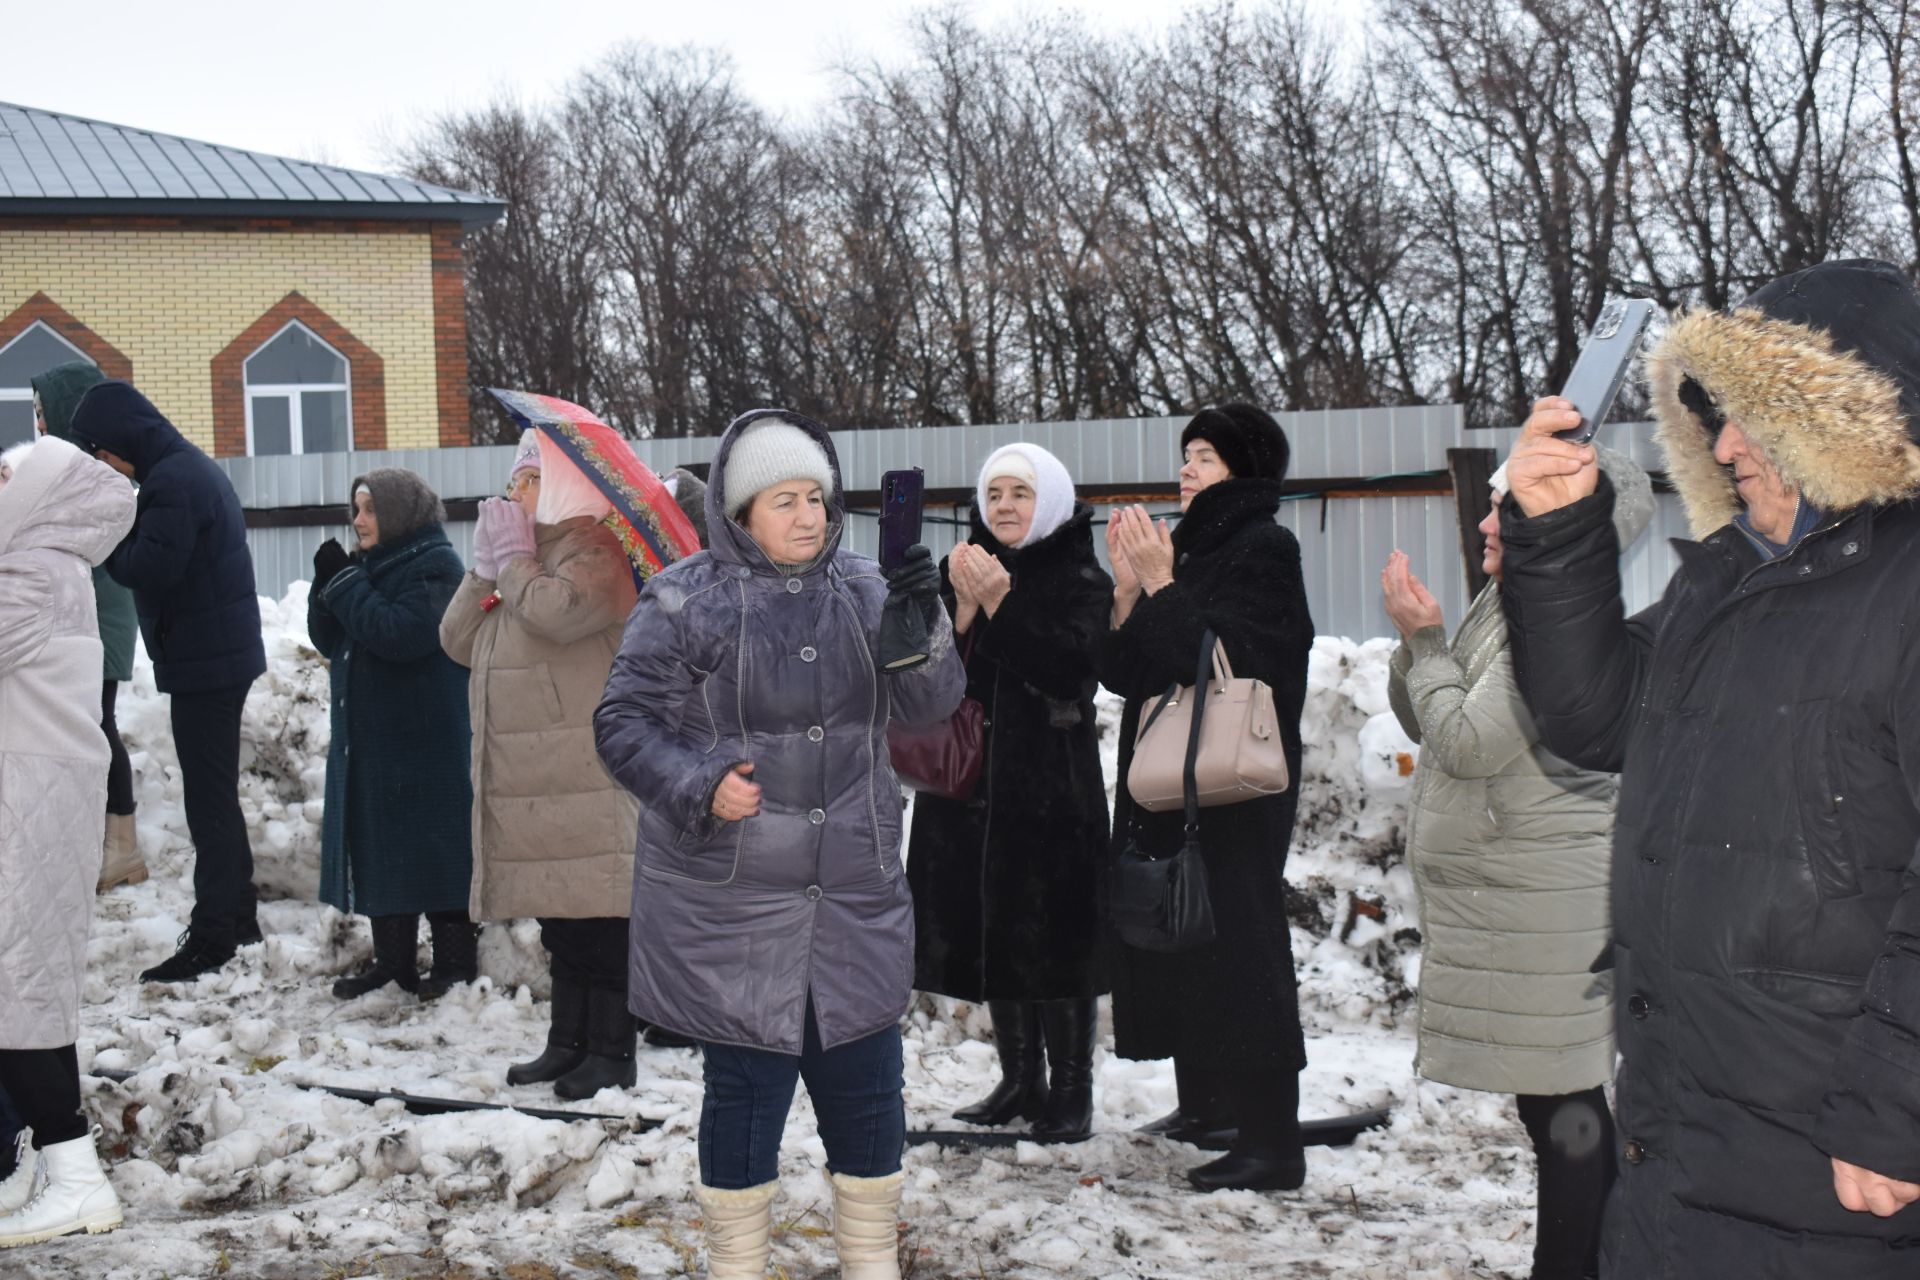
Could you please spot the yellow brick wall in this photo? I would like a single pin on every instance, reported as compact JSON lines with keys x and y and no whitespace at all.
{"x":172,"y":300}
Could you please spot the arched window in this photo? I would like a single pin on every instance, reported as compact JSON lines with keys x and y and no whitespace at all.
{"x":297,"y":395}
{"x":32,"y":352}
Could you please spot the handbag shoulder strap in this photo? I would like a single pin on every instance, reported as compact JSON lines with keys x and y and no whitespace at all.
{"x":1222,"y":667}
{"x":1190,"y":788}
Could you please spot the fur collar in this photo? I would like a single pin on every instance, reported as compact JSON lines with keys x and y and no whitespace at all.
{"x":1831,"y":421}
{"x":1221,"y":510}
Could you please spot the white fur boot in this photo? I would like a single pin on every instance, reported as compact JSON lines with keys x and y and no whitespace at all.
{"x":74,"y":1196}
{"x":866,"y":1226}
{"x":25,"y":1178}
{"x":739,"y":1230}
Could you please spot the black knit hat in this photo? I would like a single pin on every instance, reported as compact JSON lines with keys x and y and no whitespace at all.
{"x":1247,"y":439}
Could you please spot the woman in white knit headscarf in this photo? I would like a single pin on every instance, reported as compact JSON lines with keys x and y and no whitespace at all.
{"x":1004,"y":881}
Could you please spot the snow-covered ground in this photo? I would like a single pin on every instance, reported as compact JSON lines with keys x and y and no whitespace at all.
{"x":229,"y":1167}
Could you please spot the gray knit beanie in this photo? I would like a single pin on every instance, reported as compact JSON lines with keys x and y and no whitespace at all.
{"x":402,"y":502}
{"x":767,"y":452}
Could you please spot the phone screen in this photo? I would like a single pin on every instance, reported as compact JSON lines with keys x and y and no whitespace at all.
{"x":902,"y":494}
{"x":1597,"y":376}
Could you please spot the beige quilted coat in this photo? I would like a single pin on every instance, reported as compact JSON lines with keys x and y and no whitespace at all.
{"x":553,"y":834}
{"x":61,"y":514}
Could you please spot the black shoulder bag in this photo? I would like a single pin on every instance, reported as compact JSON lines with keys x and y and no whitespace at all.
{"x":1161,"y":904}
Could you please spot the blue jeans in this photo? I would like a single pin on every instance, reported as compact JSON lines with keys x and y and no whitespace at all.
{"x":857,"y":1095}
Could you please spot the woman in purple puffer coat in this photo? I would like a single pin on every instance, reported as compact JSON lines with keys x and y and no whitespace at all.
{"x":771,"y":916}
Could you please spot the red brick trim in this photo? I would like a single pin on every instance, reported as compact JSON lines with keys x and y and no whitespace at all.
{"x":450,"y":335}
{"x":57,"y":318}
{"x":368,"y":383}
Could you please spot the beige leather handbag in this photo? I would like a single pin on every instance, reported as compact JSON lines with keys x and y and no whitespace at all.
{"x":1241,"y":755}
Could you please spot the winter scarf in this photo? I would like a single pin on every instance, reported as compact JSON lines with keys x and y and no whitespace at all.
{"x":401,"y":500}
{"x":1052,"y":487}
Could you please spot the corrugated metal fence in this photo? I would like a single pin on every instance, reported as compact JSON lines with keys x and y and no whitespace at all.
{"x":1344,"y":541}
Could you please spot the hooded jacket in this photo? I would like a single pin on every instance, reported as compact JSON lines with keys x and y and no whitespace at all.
{"x":1765,"y":719}
{"x":1509,"y":846}
{"x":730,"y":659}
{"x":186,"y":559}
{"x":60,"y":389}
{"x":395,"y":836}
{"x":60,"y":514}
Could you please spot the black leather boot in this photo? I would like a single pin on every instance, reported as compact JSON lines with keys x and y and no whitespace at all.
{"x":1268,"y":1154}
{"x":396,"y":941}
{"x":611,"y":1033}
{"x":1204,"y":1117}
{"x":566,"y":1036}
{"x":456,"y":953}
{"x":1069,"y":1027}
{"x":1022,"y":1091}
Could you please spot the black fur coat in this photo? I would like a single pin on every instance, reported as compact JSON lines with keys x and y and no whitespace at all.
{"x":1005,"y":886}
{"x":1232,"y":1004}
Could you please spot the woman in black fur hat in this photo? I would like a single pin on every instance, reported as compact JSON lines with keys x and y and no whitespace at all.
{"x":1226,"y":1013}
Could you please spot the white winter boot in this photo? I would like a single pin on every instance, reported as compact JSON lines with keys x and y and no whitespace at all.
{"x":75,"y":1196}
{"x":866,"y":1226}
{"x":739,"y":1230}
{"x":120,"y":862}
{"x":25,"y":1178}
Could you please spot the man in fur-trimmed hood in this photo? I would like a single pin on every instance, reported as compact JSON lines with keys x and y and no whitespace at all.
{"x":1765,"y":719}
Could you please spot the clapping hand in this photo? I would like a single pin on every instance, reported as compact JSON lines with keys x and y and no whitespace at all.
{"x":1409,"y":604}
{"x":1146,"y":544}
{"x":328,"y":561}
{"x":979,"y":579}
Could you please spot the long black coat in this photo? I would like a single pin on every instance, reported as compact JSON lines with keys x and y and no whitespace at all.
{"x":396,"y":837}
{"x":186,"y":559}
{"x":1006,"y":885}
{"x":1764,"y":717}
{"x":1233,"y":1003}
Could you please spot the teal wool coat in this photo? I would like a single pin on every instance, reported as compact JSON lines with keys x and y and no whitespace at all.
{"x":396,"y":837}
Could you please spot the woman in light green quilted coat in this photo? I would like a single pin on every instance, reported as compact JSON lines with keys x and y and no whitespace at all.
{"x":1509,"y":848}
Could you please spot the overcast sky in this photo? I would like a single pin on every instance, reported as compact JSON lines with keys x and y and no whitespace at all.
{"x":334,"y":81}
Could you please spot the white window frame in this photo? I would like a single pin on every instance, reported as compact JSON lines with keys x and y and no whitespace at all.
{"x":26,"y":393}
{"x":291,"y":391}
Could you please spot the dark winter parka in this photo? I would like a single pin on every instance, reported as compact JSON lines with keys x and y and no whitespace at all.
{"x":186,"y":559}
{"x":1765,"y":719}
{"x":396,"y":836}
{"x":1006,"y":885}
{"x":1232,"y":1002}
{"x":728,"y":659}
{"x":60,"y":389}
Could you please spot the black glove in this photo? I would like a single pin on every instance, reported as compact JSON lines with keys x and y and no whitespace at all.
{"x":908,"y":618}
{"x":329,"y":560}
{"x":916,"y":575}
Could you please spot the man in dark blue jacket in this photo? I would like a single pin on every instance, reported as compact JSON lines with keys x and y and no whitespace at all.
{"x":1764,"y":717}
{"x":192,"y":579}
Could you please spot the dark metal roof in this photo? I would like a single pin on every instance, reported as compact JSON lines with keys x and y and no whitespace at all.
{"x":52,"y":163}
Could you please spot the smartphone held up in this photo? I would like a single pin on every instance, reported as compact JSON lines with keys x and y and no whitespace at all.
{"x":903,"y":631}
{"x":1604,"y":363}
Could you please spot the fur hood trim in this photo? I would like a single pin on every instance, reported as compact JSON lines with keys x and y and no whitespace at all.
{"x":1830,"y":420}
